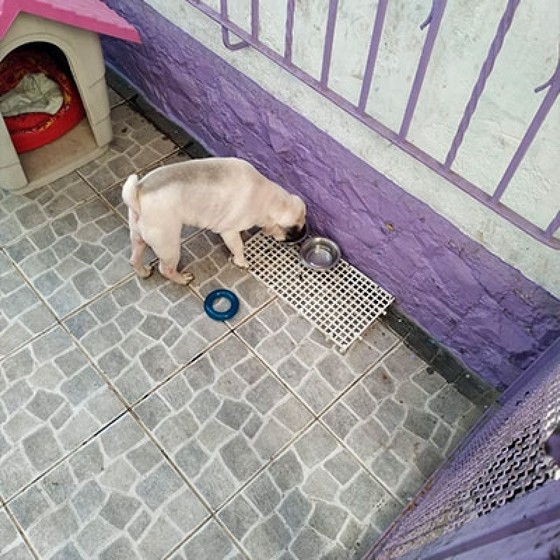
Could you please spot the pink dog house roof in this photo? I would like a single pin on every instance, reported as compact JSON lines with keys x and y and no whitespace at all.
{"x":92,"y":15}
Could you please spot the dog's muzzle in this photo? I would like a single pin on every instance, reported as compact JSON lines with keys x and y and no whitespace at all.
{"x":295,"y":234}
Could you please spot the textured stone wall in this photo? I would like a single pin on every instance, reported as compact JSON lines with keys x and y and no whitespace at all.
{"x":483,"y":310}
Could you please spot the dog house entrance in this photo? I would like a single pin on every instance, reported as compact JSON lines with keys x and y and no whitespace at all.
{"x":44,"y":113}
{"x":81,"y":130}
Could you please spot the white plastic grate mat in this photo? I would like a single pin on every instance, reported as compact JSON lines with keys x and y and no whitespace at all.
{"x":342,"y":303}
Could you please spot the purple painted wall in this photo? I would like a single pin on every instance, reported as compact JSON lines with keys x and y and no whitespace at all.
{"x":483,"y":310}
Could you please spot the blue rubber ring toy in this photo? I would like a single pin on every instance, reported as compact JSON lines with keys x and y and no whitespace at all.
{"x":221,"y":315}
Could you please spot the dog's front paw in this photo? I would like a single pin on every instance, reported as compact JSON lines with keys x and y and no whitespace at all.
{"x":243,"y":264}
{"x":144,"y":271}
{"x":185,"y":277}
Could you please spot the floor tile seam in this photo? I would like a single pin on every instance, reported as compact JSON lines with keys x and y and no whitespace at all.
{"x":126,"y":412}
{"x":314,"y":417}
{"x":122,"y":100}
{"x":312,"y":422}
{"x":41,"y":301}
{"x":50,"y":219}
{"x":212,"y":518}
{"x":215,"y":510}
{"x":334,"y":401}
{"x":292,"y":391}
{"x":102,"y":196}
{"x":177,"y":371}
{"x":103,"y":293}
{"x":29,"y":340}
{"x":442,"y":350}
{"x":151,"y":436}
{"x":402,"y":342}
{"x":277,"y":377}
{"x":92,"y":361}
{"x":210,"y":513}
{"x":242,"y":322}
{"x":22,"y":533}
{"x":364,"y":466}
{"x":75,"y":449}
{"x":264,"y":467}
{"x":111,"y":84}
{"x":140,"y":171}
{"x":318,"y":416}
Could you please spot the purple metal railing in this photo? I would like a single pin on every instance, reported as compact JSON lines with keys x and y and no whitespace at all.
{"x":433,"y":20}
{"x":399,"y":138}
{"x":503,"y":459}
{"x":372,"y":55}
{"x":485,"y":71}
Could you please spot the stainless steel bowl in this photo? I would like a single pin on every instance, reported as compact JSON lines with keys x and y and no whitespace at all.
{"x":319,"y":253}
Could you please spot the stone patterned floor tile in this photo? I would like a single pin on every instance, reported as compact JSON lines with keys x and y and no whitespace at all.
{"x":51,"y":400}
{"x":136,"y":144}
{"x":305,"y":360}
{"x":115,"y":498}
{"x":222,"y":419}
{"x":75,"y":257}
{"x":401,"y":420}
{"x":114,"y":98}
{"x":12,"y":545}
{"x":206,"y":256}
{"x":22,"y":213}
{"x":314,"y":501}
{"x":252,"y":439}
{"x":142,"y":331}
{"x":22,"y":314}
{"x":211,"y":542}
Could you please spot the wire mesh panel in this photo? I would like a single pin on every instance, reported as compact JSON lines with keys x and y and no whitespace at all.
{"x":500,"y":462}
{"x":342,"y":303}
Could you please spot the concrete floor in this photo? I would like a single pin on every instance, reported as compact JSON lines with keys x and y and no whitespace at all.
{"x":133,"y":426}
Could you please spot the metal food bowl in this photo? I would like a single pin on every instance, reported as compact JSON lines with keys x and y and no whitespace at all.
{"x":319,"y":253}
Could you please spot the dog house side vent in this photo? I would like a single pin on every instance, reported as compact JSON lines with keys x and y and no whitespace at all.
{"x":69,"y":27}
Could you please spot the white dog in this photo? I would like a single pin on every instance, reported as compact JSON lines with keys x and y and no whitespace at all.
{"x":225,"y":195}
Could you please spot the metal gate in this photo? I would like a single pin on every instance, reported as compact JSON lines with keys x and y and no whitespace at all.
{"x":500,"y":462}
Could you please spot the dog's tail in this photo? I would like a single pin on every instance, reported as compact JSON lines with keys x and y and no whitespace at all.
{"x":130,"y":193}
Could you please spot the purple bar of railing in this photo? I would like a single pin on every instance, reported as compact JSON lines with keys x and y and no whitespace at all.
{"x":289,"y":36}
{"x":225,"y":31}
{"x":485,"y":71}
{"x":433,"y":20}
{"x":553,"y":90}
{"x":553,"y":227}
{"x":372,"y":54}
{"x":255,"y":19}
{"x":412,"y":150}
{"x":328,"y":45}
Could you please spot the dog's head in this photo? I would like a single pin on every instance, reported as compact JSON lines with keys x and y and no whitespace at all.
{"x":287,"y":220}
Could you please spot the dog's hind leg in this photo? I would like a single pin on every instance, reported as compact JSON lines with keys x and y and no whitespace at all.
{"x":168,"y":249}
{"x":137,"y":256}
{"x":234,"y":243}
{"x":168,"y":268}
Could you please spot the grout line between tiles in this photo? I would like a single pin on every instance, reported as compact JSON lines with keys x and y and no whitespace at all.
{"x":21,"y":532}
{"x":318,"y":417}
{"x":212,"y":512}
{"x":65,"y":457}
